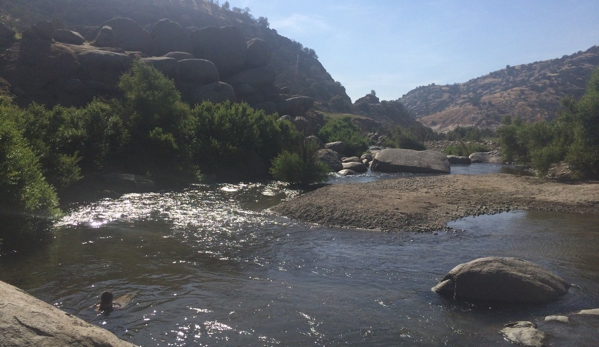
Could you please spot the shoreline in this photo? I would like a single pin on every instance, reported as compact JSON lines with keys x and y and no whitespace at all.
{"x":425,"y":204}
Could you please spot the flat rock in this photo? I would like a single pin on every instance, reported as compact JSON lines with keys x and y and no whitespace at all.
{"x":492,"y":157}
{"x":501,"y":279}
{"x":524,"y":333}
{"x":393,"y":160}
{"x":27,"y":321}
{"x":562,"y":319}
{"x":591,"y":312}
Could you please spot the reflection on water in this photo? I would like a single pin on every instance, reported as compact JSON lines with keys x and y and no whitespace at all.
{"x":209,"y":267}
{"x":473,"y":169}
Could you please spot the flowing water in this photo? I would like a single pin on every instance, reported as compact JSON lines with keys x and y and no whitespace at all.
{"x":210,"y":267}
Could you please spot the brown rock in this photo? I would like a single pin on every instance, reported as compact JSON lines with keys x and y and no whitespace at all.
{"x":502,"y":279}
{"x":27,"y":321}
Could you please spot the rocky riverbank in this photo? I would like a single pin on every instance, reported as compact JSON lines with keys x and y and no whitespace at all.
{"x":429,"y":203}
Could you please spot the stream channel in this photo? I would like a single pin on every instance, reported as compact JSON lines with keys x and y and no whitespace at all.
{"x":210,"y":266}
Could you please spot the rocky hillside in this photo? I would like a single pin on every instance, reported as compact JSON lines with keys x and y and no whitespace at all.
{"x":388,"y":113}
{"x":531,"y":91}
{"x":296,"y":67}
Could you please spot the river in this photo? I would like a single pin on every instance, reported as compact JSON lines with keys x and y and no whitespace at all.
{"x":209,"y":266}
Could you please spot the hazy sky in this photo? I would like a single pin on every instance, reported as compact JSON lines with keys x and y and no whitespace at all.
{"x":393,"y":46}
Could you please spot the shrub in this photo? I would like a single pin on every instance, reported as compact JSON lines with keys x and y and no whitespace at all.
{"x":403,"y":138}
{"x":299,"y":168}
{"x":342,"y":129}
{"x":28,"y":200}
{"x":465,"y":149}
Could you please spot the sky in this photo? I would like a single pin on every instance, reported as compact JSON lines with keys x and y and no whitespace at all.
{"x":394,"y":46}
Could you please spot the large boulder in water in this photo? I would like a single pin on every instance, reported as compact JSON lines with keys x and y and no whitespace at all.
{"x":501,"y":279}
{"x":168,"y":36}
{"x":354,"y":166}
{"x":27,"y":321}
{"x":226,"y":47}
{"x":407,"y":160}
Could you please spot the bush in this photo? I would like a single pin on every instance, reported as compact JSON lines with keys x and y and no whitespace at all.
{"x":342,"y":129}
{"x":573,"y":136}
{"x":299,"y":168}
{"x":465,"y":149}
{"x":28,"y":200}
{"x":403,"y":138}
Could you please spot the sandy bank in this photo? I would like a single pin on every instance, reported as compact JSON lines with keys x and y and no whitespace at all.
{"x":428,"y":203}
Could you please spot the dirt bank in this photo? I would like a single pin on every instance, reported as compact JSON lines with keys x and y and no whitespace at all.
{"x":428,"y":203}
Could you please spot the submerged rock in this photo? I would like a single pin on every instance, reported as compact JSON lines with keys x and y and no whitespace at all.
{"x":501,"y":279}
{"x":524,"y":333}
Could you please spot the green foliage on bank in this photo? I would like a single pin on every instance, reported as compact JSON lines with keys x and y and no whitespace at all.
{"x":299,"y":167}
{"x":149,"y":131}
{"x":344,"y":130}
{"x":572,"y":137}
{"x":465,"y":149}
{"x":403,"y":138}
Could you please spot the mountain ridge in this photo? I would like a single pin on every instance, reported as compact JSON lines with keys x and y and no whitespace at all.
{"x":530,"y":91}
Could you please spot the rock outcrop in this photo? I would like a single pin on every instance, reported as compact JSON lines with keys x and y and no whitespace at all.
{"x":214,"y":64}
{"x":27,"y":321}
{"x":501,"y":279}
{"x":392,"y":160}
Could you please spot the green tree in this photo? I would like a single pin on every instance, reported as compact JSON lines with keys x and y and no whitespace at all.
{"x":344,"y":130}
{"x":299,"y":167}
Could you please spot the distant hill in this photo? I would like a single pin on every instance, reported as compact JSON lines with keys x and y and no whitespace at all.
{"x":530,"y":91}
{"x":297,"y":67}
{"x":388,"y":113}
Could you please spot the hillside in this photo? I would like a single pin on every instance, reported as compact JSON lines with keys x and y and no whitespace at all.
{"x":296,"y":67}
{"x":530,"y":91}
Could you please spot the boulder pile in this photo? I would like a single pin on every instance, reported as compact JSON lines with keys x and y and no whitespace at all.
{"x":53,"y":65}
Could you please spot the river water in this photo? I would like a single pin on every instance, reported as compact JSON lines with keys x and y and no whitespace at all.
{"x":209,"y":266}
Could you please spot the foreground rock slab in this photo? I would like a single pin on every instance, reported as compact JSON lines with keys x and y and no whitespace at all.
{"x":394,"y":160}
{"x":502,"y":279}
{"x":27,"y":321}
{"x":524,"y":333}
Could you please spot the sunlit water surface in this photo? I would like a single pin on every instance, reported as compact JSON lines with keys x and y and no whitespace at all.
{"x":209,"y":267}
